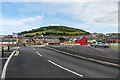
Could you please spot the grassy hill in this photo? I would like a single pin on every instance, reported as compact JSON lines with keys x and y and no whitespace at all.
{"x":54,"y":30}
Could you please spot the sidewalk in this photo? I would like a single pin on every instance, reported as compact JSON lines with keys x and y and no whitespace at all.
{"x":4,"y":58}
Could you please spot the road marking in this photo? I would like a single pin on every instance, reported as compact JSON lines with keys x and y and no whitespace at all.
{"x":17,"y":53}
{"x":39,"y":46}
{"x":90,"y":59}
{"x":38,"y":53}
{"x":65,"y":68}
{"x":78,"y":55}
{"x":6,"y":64}
{"x":98,"y":49}
{"x":33,"y":48}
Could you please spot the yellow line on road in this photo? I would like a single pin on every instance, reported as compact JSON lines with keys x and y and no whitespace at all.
{"x":17,"y":53}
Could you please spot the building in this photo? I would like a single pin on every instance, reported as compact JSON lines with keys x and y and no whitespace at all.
{"x":82,"y":41}
{"x":5,"y":41}
{"x":52,"y":41}
{"x":15,"y":35}
{"x":22,"y":39}
{"x":112,"y":38}
{"x":30,"y":41}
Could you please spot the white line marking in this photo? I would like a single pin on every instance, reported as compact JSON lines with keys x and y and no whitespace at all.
{"x":39,"y":46}
{"x":33,"y":48}
{"x":65,"y":68}
{"x":38,"y":53}
{"x":98,"y":49}
{"x":6,"y":64}
{"x":90,"y":59}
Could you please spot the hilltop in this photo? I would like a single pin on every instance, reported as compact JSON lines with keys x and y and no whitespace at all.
{"x":54,"y":30}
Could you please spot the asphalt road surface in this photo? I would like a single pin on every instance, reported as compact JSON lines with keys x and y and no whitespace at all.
{"x":100,"y":51}
{"x":103,"y":54}
{"x":40,"y":62}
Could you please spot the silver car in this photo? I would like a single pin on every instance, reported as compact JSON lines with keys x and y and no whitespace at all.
{"x":99,"y":44}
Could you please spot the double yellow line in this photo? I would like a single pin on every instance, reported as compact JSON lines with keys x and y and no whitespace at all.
{"x":16,"y":53}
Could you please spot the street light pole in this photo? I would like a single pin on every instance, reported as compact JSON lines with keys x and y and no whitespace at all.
{"x":2,"y":51}
{"x":9,"y":45}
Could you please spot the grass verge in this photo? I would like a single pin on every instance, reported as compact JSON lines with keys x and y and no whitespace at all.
{"x":115,"y":47}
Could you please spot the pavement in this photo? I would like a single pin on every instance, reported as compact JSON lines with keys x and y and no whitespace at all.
{"x":40,"y":62}
{"x":5,"y":57}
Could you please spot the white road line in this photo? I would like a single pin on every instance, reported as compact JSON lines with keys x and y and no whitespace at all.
{"x":65,"y":68}
{"x":33,"y":48}
{"x":90,"y":59}
{"x":38,"y":53}
{"x":98,"y":49}
{"x":6,"y":64}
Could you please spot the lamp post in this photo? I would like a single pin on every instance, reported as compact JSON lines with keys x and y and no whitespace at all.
{"x":8,"y":44}
{"x":2,"y":51}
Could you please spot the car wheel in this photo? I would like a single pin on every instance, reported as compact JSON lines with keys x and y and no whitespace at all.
{"x":96,"y":46}
{"x":105,"y":47}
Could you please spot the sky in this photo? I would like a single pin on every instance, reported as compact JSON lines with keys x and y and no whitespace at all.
{"x":101,"y":17}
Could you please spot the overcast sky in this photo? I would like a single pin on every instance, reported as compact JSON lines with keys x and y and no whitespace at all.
{"x":94,"y":16}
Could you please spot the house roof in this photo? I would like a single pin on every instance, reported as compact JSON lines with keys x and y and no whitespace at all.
{"x":6,"y":40}
{"x":80,"y":38}
{"x":31,"y":40}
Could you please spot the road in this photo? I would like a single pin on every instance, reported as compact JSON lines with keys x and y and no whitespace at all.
{"x":103,"y":54}
{"x":101,"y":51}
{"x":40,"y":62}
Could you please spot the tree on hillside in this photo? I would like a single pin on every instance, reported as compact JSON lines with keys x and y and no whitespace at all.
{"x":37,"y":34}
{"x":62,"y":39}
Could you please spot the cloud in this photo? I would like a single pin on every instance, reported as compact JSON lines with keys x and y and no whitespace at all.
{"x":11,"y":22}
{"x":60,"y":0}
{"x":30,"y":19}
{"x":99,"y":13}
{"x":90,"y":16}
{"x":17,"y":25}
{"x":96,"y":14}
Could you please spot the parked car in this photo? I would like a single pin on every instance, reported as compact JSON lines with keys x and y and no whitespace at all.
{"x":99,"y":44}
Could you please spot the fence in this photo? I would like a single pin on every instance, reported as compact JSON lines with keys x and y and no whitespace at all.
{"x":114,"y":44}
{"x":6,"y":49}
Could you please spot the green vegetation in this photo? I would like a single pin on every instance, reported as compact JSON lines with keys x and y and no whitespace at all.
{"x":115,"y":47}
{"x":29,"y":35}
{"x":62,"y":39}
{"x":55,"y":30}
